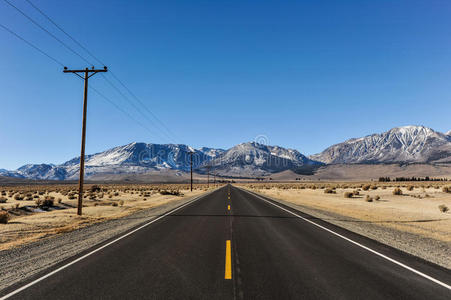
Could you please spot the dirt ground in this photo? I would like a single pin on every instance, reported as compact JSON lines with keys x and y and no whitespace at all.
{"x":415,"y":211}
{"x":29,"y":220}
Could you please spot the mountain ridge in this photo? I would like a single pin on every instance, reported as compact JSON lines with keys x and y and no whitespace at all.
{"x":403,"y":145}
{"x":406,"y":144}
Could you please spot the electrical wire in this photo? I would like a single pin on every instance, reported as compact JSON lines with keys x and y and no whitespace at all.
{"x":32,"y":45}
{"x":90,"y":87}
{"x":48,"y":32}
{"x":169,"y":134}
{"x":131,"y":103}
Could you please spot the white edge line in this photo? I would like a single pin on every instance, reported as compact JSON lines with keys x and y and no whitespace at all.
{"x":100,"y":248}
{"x":360,"y":245}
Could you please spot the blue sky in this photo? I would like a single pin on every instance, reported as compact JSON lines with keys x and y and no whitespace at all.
{"x":305,"y":74}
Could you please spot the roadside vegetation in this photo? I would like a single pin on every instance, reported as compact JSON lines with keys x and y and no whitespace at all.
{"x":30,"y":212}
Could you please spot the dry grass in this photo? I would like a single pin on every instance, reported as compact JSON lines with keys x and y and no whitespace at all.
{"x":393,"y":204}
{"x":34,"y":213}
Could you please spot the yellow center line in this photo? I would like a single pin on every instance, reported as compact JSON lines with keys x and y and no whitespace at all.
{"x":228,"y":207}
{"x":228,"y":261}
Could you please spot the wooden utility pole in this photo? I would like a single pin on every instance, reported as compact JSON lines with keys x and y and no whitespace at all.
{"x":83,"y":131}
{"x":191,"y":166}
{"x":208,"y":176}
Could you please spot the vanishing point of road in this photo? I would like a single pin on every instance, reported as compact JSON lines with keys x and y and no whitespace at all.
{"x":233,"y":244}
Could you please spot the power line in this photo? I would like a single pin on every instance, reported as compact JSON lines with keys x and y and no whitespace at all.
{"x":31,"y":45}
{"x":145,"y":107}
{"x":83,"y":58}
{"x":120,"y":109}
{"x":92,"y":88}
{"x":128,"y":100}
{"x":48,"y":32}
{"x":63,"y":31}
{"x":111,"y":72}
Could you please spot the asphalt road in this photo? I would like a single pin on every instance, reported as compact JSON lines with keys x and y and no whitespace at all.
{"x":273,"y":254}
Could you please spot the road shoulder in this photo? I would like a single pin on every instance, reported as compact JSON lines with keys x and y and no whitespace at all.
{"x":428,"y":249}
{"x":21,"y":263}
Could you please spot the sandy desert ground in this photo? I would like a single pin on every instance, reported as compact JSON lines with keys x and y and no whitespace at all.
{"x":416,"y":210}
{"x":39,"y":211}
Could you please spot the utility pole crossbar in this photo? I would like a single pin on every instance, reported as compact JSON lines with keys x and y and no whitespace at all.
{"x":83,"y":132}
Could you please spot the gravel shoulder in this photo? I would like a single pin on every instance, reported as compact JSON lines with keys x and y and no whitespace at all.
{"x":430,"y":249}
{"x":22,"y":262}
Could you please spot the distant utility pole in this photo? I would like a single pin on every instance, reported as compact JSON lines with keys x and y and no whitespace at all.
{"x":83,"y":132}
{"x":208,"y":176}
{"x":191,"y":166}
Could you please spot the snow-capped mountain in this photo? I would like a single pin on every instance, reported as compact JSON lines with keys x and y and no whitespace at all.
{"x":247,"y":159}
{"x":253,"y":159}
{"x":408,"y":144}
{"x":131,"y":158}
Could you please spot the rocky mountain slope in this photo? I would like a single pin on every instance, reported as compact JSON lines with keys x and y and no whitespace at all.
{"x":248,"y":159}
{"x":253,"y":159}
{"x":131,"y":158}
{"x":408,"y":144}
{"x":401,"y":145}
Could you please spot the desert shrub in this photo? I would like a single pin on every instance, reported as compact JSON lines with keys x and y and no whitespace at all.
{"x":116,"y":194}
{"x":3,"y":199}
{"x":446,"y":189}
{"x":443,"y":208}
{"x":114,"y":204}
{"x":410,"y":188}
{"x":18,"y":197}
{"x":95,"y":188}
{"x":368,"y":198}
{"x":3,"y":193}
{"x":46,"y":202}
{"x":121,"y":202}
{"x":366,"y":187}
{"x":356,"y":193}
{"x":374,"y":187}
{"x":59,"y":200}
{"x":348,"y":194}
{"x":329,"y":191}
{"x":397,"y":191}
{"x":377,"y":197}
{"x":4,"y":217}
{"x":173,"y":193}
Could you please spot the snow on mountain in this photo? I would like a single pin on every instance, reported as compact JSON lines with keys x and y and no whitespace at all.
{"x":448,"y":133}
{"x":253,"y":159}
{"x":244,"y":159}
{"x":211,"y":151}
{"x":130,"y":158}
{"x":407,"y":144}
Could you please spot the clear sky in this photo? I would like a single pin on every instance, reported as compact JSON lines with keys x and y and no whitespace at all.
{"x":305,"y":74}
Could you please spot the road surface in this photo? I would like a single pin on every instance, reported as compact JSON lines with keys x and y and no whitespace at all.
{"x":232,"y":244}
